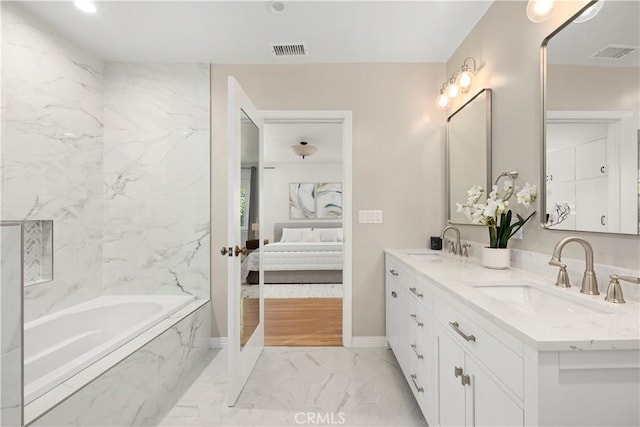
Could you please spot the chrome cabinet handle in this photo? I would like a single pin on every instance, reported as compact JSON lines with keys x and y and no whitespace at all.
{"x":456,"y":327}
{"x":393,"y":272}
{"x":394,"y":294}
{"x":414,"y":377}
{"x":603,"y":169}
{"x":415,"y":350}
{"x":415,"y":317}
{"x":415,"y":292}
{"x":602,"y":218}
{"x":464,"y":378}
{"x":457,"y":371}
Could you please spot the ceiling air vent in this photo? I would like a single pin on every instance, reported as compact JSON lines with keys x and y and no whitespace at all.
{"x":289,"y":49}
{"x":614,"y":52}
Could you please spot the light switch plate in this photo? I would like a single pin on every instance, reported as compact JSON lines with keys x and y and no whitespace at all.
{"x":370,"y":217}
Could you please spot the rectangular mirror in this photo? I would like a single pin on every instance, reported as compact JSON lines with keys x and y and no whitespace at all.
{"x":591,"y":96}
{"x":468,"y":152}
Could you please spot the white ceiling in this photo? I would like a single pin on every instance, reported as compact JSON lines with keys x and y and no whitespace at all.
{"x":278,"y":139}
{"x":239,"y":32}
{"x":618,"y":23}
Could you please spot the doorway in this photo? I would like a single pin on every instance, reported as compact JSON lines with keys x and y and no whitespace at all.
{"x":307,"y":198}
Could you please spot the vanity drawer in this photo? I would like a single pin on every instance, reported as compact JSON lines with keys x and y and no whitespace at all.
{"x":501,"y":360}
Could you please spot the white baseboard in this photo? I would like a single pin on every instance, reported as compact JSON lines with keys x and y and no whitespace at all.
{"x":369,"y":341}
{"x":218,"y":342}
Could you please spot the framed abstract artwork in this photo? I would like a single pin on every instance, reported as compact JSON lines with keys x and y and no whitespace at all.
{"x":321,"y":200}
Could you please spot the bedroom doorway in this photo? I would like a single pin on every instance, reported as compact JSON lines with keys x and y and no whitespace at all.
{"x":307,"y":212}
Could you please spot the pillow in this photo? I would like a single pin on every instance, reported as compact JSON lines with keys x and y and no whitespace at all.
{"x":328,"y":234}
{"x":309,"y":235}
{"x":292,"y":234}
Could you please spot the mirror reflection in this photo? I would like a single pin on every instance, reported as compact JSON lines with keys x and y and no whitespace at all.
{"x":592,"y":121}
{"x":249,"y":222}
{"x":468,"y":152}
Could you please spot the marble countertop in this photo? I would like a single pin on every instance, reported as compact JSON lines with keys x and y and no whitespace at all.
{"x":613,"y":327}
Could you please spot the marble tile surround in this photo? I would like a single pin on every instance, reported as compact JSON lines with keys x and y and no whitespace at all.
{"x":365,"y":385}
{"x":10,"y":324}
{"x":143,"y":386}
{"x":156,"y":179}
{"x":538,"y":263}
{"x":51,"y":163}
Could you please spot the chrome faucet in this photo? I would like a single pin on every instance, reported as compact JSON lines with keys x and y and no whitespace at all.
{"x":589,"y":281}
{"x":457,"y":248}
{"x":614,"y":291}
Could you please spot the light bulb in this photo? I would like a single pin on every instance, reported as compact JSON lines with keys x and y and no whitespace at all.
{"x":85,"y":6}
{"x":452,"y":90}
{"x":443,"y":100}
{"x":465,"y":79}
{"x":539,"y":10}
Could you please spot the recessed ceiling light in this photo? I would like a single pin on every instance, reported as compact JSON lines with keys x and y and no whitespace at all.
{"x":277,"y":7}
{"x":85,"y":6}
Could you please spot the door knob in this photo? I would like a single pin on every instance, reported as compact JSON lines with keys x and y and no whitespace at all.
{"x":226,"y":251}
{"x":237,"y":251}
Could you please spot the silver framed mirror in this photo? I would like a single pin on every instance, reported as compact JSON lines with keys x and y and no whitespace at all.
{"x":590,"y":157}
{"x":468,"y":152}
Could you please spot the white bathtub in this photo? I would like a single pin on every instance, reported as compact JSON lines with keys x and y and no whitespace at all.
{"x":60,"y":345}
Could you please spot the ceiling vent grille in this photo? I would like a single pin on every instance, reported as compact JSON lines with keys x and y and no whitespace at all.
{"x":614,"y":52}
{"x":289,"y":49}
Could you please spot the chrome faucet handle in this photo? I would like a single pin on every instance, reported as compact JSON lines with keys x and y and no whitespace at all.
{"x":563,"y":277}
{"x":465,"y":249}
{"x":452,"y":246}
{"x":614,"y":291}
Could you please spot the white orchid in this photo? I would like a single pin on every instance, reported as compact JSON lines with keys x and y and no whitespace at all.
{"x":496,"y":210}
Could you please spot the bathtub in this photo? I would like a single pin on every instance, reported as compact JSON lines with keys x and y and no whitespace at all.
{"x":60,"y":345}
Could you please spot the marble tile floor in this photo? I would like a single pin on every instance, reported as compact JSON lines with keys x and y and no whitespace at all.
{"x":302,"y":386}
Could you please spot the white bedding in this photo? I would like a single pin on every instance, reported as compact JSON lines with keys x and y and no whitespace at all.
{"x":287,"y":256}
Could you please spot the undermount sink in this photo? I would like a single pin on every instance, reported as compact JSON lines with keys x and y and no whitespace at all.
{"x":423,"y":255}
{"x":533,"y":300}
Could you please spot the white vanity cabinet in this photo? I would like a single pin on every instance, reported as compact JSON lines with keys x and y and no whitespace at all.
{"x":476,"y":361}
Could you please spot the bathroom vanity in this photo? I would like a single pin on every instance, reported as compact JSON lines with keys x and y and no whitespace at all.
{"x":506,"y":347}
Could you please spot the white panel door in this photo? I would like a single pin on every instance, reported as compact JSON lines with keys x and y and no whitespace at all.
{"x":245,"y":127}
{"x":592,"y":204}
{"x":561,"y":165}
{"x":591,"y":159}
{"x":391,"y":313}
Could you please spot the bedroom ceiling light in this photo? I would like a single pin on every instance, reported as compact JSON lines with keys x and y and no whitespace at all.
{"x":539,"y":10}
{"x":304,"y":149}
{"x":460,"y":82}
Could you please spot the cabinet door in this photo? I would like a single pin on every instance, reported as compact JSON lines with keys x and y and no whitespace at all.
{"x":451,"y":392}
{"x":561,"y":165}
{"x":391,"y":312}
{"x":591,"y":204}
{"x":425,"y":365}
{"x":591,"y":159}
{"x":487,"y":403}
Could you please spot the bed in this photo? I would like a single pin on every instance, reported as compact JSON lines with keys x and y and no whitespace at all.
{"x":302,"y":253}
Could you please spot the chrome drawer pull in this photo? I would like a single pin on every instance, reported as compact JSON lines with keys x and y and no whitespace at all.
{"x":414,"y":377}
{"x":393,"y":272}
{"x":456,"y":327}
{"x":415,"y":292}
{"x":415,"y":317}
{"x":465,"y":380}
{"x":415,"y":350}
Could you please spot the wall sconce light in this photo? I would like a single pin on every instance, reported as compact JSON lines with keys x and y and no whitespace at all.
{"x":304,"y":149}
{"x":539,"y":10}
{"x":460,"y":82}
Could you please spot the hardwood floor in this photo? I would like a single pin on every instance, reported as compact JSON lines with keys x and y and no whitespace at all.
{"x":303,"y":322}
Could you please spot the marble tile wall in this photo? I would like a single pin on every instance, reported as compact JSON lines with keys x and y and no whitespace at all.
{"x":51,"y":163}
{"x":10,"y":324}
{"x":143,"y":387}
{"x":156,"y":179}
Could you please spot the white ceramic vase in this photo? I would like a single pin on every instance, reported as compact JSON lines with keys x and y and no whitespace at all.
{"x":496,"y":258}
